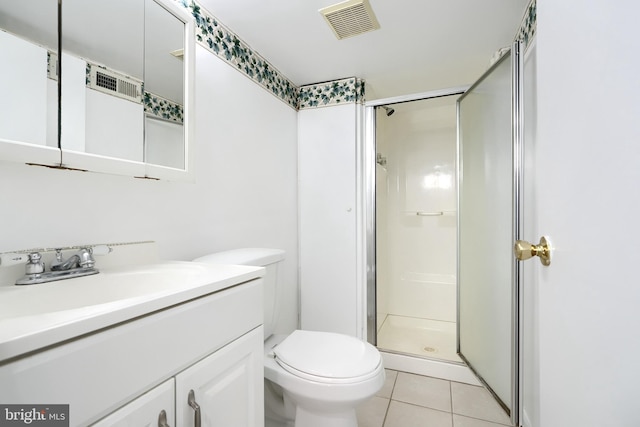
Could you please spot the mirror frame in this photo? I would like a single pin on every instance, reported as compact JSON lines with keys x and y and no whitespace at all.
{"x":30,"y":154}
{"x":164,"y":172}
{"x":16,"y":151}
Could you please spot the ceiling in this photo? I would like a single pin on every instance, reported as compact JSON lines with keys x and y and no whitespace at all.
{"x":422,"y":45}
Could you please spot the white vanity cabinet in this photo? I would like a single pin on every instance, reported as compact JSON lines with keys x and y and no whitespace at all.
{"x":224,"y":386}
{"x":127,"y":373}
{"x":146,"y":409}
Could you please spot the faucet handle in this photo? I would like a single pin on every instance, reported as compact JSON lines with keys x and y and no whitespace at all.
{"x":34,"y":265}
{"x":85,"y":256}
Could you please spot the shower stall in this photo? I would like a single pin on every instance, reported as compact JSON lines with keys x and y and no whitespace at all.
{"x":415,"y":227}
{"x":443,"y":286}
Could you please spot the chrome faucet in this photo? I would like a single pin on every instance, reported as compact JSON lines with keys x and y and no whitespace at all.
{"x":81,"y":259}
{"x":79,"y":264}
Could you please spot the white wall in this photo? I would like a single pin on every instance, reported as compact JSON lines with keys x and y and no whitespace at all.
{"x":244,"y":194}
{"x":23,"y":85}
{"x":164,"y":142}
{"x":327,"y":200}
{"x":74,"y":105}
{"x":114,"y":126}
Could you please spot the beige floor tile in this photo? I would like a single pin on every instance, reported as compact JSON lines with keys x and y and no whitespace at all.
{"x":372,"y":412}
{"x":405,"y":415}
{"x":430,"y":392}
{"x":460,"y":421}
{"x":476,"y":402}
{"x":390,"y":381}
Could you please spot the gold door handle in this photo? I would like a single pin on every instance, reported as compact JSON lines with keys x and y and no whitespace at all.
{"x":524,"y":250}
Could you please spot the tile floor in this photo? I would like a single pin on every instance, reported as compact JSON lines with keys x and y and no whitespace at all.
{"x":409,"y":400}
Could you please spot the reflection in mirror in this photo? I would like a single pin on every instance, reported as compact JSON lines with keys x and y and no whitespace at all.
{"x":163,"y":87}
{"x":120,"y":112}
{"x":28,"y":76}
{"x":102,"y":72}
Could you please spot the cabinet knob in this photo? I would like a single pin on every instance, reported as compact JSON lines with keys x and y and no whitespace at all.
{"x":162,"y":419}
{"x":192,"y":402}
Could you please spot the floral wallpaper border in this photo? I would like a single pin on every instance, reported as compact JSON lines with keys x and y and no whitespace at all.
{"x":52,"y":65}
{"x":162,"y":107}
{"x":331,"y":93}
{"x":218,"y":39}
{"x":221,"y":41}
{"x":87,"y":75}
{"x":215,"y":37}
{"x":528,"y":26}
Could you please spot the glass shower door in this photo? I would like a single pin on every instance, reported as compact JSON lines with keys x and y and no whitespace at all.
{"x":485,"y":232}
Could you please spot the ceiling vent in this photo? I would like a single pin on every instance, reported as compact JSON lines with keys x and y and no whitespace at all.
{"x":350,"y":18}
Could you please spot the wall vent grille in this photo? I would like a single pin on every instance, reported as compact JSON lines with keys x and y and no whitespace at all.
{"x":350,"y":18}
{"x":116,"y":84}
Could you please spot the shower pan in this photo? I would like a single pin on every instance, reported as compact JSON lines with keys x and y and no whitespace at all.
{"x":416,"y":228}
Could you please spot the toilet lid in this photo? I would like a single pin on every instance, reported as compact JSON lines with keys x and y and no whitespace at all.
{"x":327,"y":355}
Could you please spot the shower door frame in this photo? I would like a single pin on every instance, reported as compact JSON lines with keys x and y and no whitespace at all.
{"x":367,"y":174}
{"x":516,"y":62}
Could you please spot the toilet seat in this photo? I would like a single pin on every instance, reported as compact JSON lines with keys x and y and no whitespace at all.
{"x":327,"y":357}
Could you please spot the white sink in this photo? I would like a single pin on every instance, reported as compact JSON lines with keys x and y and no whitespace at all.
{"x":34,"y":316}
{"x":106,"y":287}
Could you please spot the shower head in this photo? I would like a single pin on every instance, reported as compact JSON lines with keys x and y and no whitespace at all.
{"x":389,"y":110}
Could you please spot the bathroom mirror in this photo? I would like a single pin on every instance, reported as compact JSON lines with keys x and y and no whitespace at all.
{"x":102,"y":74}
{"x":126,"y":87}
{"x":28,"y":81}
{"x":126,"y":80}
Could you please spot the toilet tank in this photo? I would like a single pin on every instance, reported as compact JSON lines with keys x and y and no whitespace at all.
{"x":271,"y":260}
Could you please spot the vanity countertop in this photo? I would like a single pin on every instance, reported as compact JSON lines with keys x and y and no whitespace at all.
{"x":37,"y":316}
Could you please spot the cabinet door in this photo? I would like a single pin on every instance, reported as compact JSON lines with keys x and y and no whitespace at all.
{"x":145,"y":410}
{"x":227,"y":386}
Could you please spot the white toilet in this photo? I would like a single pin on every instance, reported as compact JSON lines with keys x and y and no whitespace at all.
{"x":312,"y":379}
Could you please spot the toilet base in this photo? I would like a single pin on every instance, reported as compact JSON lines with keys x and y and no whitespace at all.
{"x":281,"y":411}
{"x":276,"y":413}
{"x":305,"y":418}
